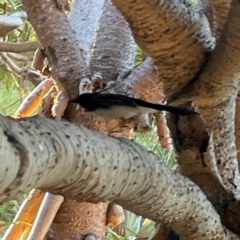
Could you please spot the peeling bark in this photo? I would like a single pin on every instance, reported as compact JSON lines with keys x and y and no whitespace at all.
{"x":33,"y":100}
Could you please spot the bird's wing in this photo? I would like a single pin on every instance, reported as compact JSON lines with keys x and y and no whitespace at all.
{"x":109,"y":100}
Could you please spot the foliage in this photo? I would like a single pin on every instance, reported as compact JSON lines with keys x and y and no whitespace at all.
{"x":151,"y":142}
{"x":21,"y":34}
{"x":24,"y":32}
{"x":11,"y":97}
{"x":7,"y":212}
{"x":9,"y":6}
{"x":139,"y":56}
{"x":134,"y":227}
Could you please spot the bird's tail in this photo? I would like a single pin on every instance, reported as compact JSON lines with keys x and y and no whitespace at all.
{"x":160,"y":107}
{"x":175,"y":110}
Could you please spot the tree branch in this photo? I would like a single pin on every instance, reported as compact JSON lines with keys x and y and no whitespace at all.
{"x":12,"y":66}
{"x":33,"y":148}
{"x":20,"y":57}
{"x":142,"y":81}
{"x":175,"y":34}
{"x":24,"y":220}
{"x":10,"y":22}
{"x":215,"y":96}
{"x":19,"y":47}
{"x":62,"y":49}
{"x":33,"y":100}
{"x":207,"y":147}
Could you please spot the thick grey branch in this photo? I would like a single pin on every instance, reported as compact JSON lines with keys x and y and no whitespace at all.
{"x":99,"y":20}
{"x":174,"y":33}
{"x":60,"y":45}
{"x":81,"y":164}
{"x":215,"y":95}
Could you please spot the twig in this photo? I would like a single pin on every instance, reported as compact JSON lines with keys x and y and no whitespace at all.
{"x":23,"y":221}
{"x":48,"y":209}
{"x":20,"y":57}
{"x":60,"y":104}
{"x":38,"y":59}
{"x":10,"y":63}
{"x":163,"y":132}
{"x":47,"y":103}
{"x":5,"y":107}
{"x":32,"y":75}
{"x":19,"y":47}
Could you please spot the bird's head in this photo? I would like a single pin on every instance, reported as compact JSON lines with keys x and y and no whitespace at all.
{"x":85,"y":86}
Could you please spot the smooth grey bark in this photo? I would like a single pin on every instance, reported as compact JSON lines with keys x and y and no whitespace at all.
{"x":81,"y":164}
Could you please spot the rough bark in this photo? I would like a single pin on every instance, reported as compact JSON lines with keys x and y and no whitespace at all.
{"x":108,"y":30}
{"x":175,"y":34}
{"x":215,"y":96}
{"x":221,"y":8}
{"x":137,"y":179}
{"x":207,"y":148}
{"x":237,"y":127}
{"x":68,"y":65}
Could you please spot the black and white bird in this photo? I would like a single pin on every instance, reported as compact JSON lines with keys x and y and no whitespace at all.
{"x":115,"y":106}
